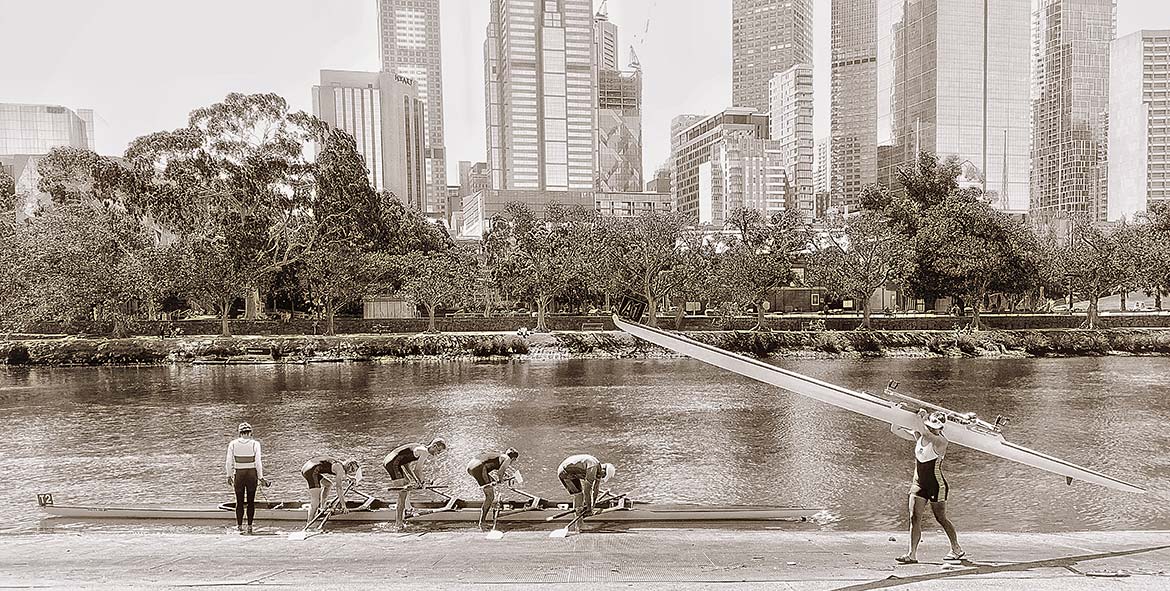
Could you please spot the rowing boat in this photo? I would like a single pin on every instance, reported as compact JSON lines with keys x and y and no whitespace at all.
{"x":379,"y":510}
{"x":962,"y":428}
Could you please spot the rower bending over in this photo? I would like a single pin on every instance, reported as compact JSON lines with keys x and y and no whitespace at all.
{"x":245,"y":472}
{"x":404,"y":465}
{"x":929,"y":484}
{"x":582,"y":476}
{"x":327,"y":472}
{"x":488,"y":470}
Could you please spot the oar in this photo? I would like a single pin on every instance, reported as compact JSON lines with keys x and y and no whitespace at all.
{"x":323,"y":514}
{"x":604,"y":496}
{"x":496,"y":534}
{"x":564,"y":531}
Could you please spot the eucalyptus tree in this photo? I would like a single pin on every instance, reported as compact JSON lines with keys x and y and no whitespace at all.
{"x":855,"y":256}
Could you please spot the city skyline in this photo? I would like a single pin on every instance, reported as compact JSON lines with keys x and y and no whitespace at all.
{"x":157,"y":89}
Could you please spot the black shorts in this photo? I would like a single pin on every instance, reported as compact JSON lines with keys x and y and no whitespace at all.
{"x":573,"y":481}
{"x":396,"y":469}
{"x":312,"y":474}
{"x":929,"y":482}
{"x":479,"y":471}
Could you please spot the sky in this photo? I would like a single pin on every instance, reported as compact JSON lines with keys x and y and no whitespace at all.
{"x":143,"y":65}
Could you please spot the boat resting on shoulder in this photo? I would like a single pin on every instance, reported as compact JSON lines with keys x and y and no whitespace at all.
{"x":964,"y":429}
{"x":379,"y":510}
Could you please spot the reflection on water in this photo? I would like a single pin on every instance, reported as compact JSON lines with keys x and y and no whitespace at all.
{"x":678,"y":431}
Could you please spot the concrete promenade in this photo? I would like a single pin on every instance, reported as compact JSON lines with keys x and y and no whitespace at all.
{"x":637,"y":558}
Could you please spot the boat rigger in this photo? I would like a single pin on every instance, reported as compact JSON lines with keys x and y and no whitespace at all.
{"x":965,"y":429}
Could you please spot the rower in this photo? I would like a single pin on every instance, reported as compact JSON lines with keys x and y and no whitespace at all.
{"x":322,"y":473}
{"x":244,"y":472}
{"x":582,"y":476}
{"x":488,"y":470}
{"x":404,"y":465}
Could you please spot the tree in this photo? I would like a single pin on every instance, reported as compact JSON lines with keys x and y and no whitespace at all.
{"x":535,"y":258}
{"x":1096,"y":262}
{"x":237,"y":179}
{"x":856,"y":256}
{"x":77,"y":261}
{"x":7,"y":194}
{"x":757,"y":258}
{"x":649,"y":255}
{"x":438,"y":279}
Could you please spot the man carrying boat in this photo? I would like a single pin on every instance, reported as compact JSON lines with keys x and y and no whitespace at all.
{"x":582,"y":475}
{"x":245,"y":471}
{"x":404,"y":465}
{"x":322,"y":473}
{"x":928,"y":484}
{"x":488,"y":470}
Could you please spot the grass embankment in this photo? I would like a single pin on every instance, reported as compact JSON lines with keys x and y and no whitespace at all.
{"x":296,"y":349}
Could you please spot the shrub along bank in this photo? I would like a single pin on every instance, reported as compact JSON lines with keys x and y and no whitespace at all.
{"x":300,"y":349}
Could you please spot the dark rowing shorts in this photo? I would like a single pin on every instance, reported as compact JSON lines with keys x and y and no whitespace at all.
{"x":929,"y":482}
{"x":313,"y":469}
{"x":395,"y":468}
{"x":480,"y":472}
{"x":573,"y":480}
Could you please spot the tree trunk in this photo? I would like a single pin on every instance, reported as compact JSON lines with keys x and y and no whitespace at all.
{"x":1158,"y":299}
{"x":1093,"y":313}
{"x":651,"y":310}
{"x":225,"y":330}
{"x":975,"y":310}
{"x":680,"y":316}
{"x":541,"y":308}
{"x":252,"y":304}
{"x":607,"y":306}
{"x":865,"y":320}
{"x":431,"y":318}
{"x":760,"y":318}
{"x":329,"y":313}
{"x":1124,"y":292}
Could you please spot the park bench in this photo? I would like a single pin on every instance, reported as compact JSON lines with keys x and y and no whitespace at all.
{"x":592,"y":326}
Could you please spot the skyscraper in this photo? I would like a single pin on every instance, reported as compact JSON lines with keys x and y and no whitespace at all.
{"x":384,"y":115}
{"x":931,"y":78}
{"x":411,"y":46}
{"x":822,"y":165}
{"x":1072,"y":94}
{"x":767,"y":36}
{"x":854,"y":100}
{"x":36,"y":129}
{"x":605,"y":40}
{"x":1139,"y":130}
{"x":692,"y":140}
{"x":541,"y":95}
{"x":792,"y":126}
{"x":619,"y":130}
{"x":743,"y":171}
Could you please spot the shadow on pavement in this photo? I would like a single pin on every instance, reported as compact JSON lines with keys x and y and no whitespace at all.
{"x":984,"y":569}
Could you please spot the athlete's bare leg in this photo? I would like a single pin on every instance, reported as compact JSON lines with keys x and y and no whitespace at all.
{"x":940,"y":513}
{"x":917,"y":507}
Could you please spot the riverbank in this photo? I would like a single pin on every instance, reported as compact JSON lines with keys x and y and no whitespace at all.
{"x":793,"y":557}
{"x":74,"y":350}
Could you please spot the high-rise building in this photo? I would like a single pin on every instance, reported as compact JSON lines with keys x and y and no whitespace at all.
{"x":691,"y":146}
{"x":619,"y":130}
{"x":822,"y":165}
{"x":931,"y":82}
{"x":853,"y":145}
{"x":541,"y":95}
{"x":1071,"y":83}
{"x":767,"y":36}
{"x":36,"y":129}
{"x":473,"y":176}
{"x":605,"y":41}
{"x":746,"y":172}
{"x":411,"y":46}
{"x":383,"y":113}
{"x":792,"y":126}
{"x":1139,"y":123}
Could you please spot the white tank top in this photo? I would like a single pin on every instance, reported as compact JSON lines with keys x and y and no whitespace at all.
{"x":924,"y":450}
{"x":243,"y":453}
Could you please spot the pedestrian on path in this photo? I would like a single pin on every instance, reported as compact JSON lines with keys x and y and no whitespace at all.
{"x":928,"y":484}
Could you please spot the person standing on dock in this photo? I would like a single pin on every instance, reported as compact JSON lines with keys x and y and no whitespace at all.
{"x":928,"y":484}
{"x":322,"y":473}
{"x":488,"y":470}
{"x":245,"y":471}
{"x":582,"y":476}
{"x":404,"y":465}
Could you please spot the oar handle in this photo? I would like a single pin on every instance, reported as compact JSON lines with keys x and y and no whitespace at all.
{"x":604,"y":497}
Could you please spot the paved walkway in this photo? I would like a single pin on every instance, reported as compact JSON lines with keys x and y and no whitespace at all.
{"x":666,"y":558}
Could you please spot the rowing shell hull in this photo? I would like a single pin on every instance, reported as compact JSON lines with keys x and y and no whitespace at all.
{"x":469,"y":513}
{"x":972,"y":436}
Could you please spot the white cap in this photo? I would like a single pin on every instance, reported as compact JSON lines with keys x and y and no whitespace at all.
{"x":610,"y":470}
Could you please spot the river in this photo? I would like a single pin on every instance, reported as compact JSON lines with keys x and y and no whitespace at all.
{"x":678,"y":430}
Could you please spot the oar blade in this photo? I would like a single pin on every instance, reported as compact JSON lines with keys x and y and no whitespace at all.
{"x":495,"y":534}
{"x":559,"y":533}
